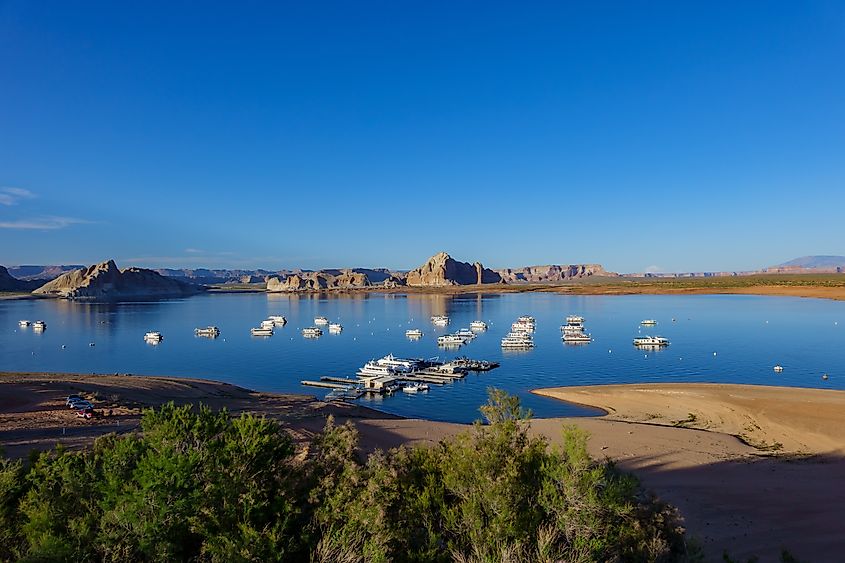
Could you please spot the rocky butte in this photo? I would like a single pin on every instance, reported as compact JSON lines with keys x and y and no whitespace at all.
{"x":106,"y":282}
{"x":442,"y":270}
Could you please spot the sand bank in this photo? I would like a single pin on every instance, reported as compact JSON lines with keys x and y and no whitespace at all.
{"x":783,"y":420}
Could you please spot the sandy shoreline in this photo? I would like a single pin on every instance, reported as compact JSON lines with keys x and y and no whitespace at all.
{"x":783,"y":420}
{"x":732,"y":495}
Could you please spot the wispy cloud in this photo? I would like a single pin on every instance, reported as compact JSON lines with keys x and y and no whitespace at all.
{"x":11,"y":196}
{"x":46,"y":223}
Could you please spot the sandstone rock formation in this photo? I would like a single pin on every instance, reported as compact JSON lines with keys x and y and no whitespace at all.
{"x":552,"y":273}
{"x":105,"y":282}
{"x":442,"y":270}
{"x":315,"y":281}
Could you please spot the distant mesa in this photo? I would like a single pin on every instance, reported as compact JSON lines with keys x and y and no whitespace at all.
{"x":811,"y":265}
{"x":11,"y":283}
{"x":41,"y":273}
{"x":106,"y":282}
{"x":315,"y":281}
{"x":553,"y":273}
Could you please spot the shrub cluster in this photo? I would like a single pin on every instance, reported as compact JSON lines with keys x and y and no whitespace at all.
{"x":201,"y":485}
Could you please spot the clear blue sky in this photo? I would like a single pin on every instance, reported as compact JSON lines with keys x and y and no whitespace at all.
{"x":674,"y":136}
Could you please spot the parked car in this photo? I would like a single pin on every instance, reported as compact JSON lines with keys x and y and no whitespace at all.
{"x":80,"y":404}
{"x":72,"y":398}
{"x":86,"y":413}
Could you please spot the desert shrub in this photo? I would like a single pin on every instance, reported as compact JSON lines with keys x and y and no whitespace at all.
{"x":202,"y":485}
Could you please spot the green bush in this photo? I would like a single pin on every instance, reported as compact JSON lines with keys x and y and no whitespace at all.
{"x":201,"y":485}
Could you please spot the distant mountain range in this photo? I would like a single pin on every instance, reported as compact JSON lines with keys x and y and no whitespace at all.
{"x":827,"y":263}
{"x":441,"y":269}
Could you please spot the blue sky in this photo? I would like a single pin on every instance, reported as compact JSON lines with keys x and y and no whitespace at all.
{"x":673,"y":136}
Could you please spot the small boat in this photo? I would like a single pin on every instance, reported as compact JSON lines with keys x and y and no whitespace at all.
{"x":335,"y":328}
{"x":526,"y":319}
{"x":153,"y":336}
{"x":267,"y":323}
{"x":574,"y":320}
{"x":278,"y":320}
{"x":778,"y":368}
{"x":651,"y":341}
{"x":261,"y":331}
{"x":321,"y":321}
{"x":414,"y":387}
{"x":209,"y":332}
{"x":24,"y":323}
{"x":522,"y":326}
{"x":414,"y":333}
{"x":466,"y":333}
{"x":577,"y":336}
{"x":517,"y":340}
{"x":451,"y":340}
{"x":648,"y":322}
{"x":312,"y":332}
{"x":39,"y":325}
{"x":572,"y":329}
{"x":441,"y":320}
{"x":478,"y":325}
{"x":399,"y":364}
{"x":375,"y":369}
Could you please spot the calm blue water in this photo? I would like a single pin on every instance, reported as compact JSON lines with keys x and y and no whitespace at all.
{"x":749,"y":334}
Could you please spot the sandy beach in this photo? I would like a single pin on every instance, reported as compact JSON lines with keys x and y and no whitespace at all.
{"x":732,"y":495}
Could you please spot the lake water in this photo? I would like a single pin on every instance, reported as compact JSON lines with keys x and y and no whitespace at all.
{"x":714,"y":338}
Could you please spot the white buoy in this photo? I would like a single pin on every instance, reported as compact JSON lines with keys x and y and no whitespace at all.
{"x":714,"y":353}
{"x":63,"y":346}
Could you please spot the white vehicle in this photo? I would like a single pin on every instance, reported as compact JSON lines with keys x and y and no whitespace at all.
{"x":335,"y":328}
{"x":517,"y":340}
{"x":278,"y":320}
{"x":261,"y":331}
{"x":648,"y":322}
{"x":440,"y":320}
{"x":209,"y":331}
{"x":39,"y":325}
{"x":153,"y":336}
{"x":24,"y":323}
{"x":321,"y":321}
{"x":478,"y":325}
{"x":414,"y":333}
{"x":312,"y":332}
{"x":651,"y":341}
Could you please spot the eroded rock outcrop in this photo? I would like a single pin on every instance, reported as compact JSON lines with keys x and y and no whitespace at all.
{"x":106,"y":282}
{"x":315,"y":281}
{"x":442,"y":270}
{"x":552,"y":273}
